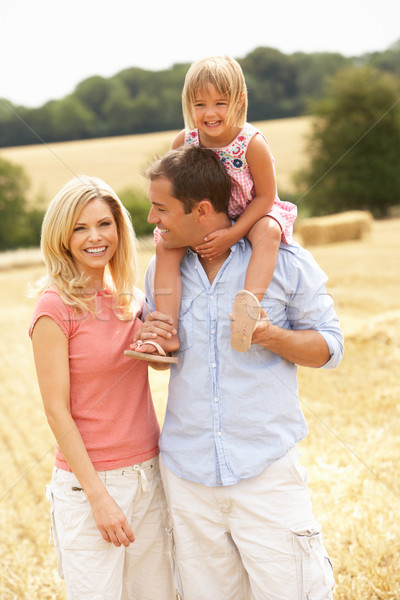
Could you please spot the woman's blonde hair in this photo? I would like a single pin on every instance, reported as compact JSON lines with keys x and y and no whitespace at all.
{"x":227,"y":77}
{"x":57,"y":228}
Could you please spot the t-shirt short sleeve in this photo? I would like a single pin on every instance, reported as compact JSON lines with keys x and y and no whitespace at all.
{"x":51,"y":305}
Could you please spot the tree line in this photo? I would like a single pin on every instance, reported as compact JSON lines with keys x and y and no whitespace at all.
{"x":141,"y":101}
{"x":353,"y":148}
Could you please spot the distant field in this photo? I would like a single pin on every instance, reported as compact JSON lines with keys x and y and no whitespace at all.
{"x":119,"y":160}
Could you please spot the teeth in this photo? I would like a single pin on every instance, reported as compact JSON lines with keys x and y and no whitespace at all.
{"x":95,"y":250}
{"x":163,"y":230}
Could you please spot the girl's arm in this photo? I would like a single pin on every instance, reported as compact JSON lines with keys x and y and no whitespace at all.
{"x":50,"y":348}
{"x":262,"y":171}
{"x":179,"y":140}
{"x":261,"y":167}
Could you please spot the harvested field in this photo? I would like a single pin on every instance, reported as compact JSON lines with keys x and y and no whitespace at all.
{"x":352,"y":451}
{"x":119,"y":160}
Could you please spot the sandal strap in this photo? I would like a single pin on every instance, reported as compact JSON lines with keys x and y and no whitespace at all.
{"x":159,"y":349}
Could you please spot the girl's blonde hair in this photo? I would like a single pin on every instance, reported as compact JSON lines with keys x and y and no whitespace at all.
{"x":227,"y":77}
{"x":57,"y":228}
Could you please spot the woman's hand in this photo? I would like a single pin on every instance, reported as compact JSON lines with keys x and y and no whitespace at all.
{"x":111,"y":521}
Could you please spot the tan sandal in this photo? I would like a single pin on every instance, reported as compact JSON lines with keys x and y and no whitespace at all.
{"x":161,"y":357}
{"x":246,"y":313}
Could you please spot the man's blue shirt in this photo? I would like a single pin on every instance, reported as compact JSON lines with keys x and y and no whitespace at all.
{"x":229,"y":415}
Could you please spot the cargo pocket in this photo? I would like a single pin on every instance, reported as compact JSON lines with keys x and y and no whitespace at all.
{"x":53,"y":531}
{"x":175,"y":568}
{"x":77,"y":529}
{"x":314,"y":568}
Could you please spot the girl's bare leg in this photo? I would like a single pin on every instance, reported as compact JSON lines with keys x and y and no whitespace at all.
{"x":168,"y":290}
{"x":265,"y":237}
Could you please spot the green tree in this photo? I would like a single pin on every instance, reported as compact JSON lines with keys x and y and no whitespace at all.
{"x":271,"y":80}
{"x":388,"y":60}
{"x":118,"y":112}
{"x":70,"y":119}
{"x":138,"y":205}
{"x":354,"y":148}
{"x":13,"y":183}
{"x":94,"y":93}
{"x":313,"y":69}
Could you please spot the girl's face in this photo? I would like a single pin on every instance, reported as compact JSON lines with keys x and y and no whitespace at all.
{"x":211,"y":110}
{"x":94,"y":240}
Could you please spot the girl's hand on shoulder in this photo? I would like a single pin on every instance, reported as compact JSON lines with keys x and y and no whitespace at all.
{"x":216,"y":243}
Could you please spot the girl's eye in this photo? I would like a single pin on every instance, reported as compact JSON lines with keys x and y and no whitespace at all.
{"x":105,"y":224}
{"x":79,"y":228}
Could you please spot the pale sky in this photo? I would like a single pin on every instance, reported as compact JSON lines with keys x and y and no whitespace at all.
{"x":48,"y":46}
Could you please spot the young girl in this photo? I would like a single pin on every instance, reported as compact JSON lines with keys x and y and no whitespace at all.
{"x":107,"y":501}
{"x":214,"y":101}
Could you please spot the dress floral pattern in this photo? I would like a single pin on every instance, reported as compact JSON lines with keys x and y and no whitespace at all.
{"x":233,"y":157}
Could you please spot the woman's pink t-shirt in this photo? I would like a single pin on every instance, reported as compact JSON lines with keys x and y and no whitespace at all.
{"x":110,"y":396}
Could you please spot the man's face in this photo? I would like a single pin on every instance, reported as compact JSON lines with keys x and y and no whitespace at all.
{"x":177,"y":229}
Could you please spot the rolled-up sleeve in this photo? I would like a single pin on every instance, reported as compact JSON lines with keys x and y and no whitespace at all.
{"x":311,"y":306}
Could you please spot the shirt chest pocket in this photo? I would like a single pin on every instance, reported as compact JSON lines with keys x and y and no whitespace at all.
{"x":186,"y":323}
{"x":276,"y":310}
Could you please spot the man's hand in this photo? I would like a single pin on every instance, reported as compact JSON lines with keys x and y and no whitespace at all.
{"x":304,"y":347}
{"x":260,"y":334}
{"x":156,"y":324}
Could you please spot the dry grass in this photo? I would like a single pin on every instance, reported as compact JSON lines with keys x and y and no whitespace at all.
{"x":119,"y":160}
{"x":352,"y":450}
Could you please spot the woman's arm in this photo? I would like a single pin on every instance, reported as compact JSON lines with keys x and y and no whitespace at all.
{"x":50,"y":348}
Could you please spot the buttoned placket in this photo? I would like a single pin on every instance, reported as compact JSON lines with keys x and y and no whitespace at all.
{"x":212,"y":291}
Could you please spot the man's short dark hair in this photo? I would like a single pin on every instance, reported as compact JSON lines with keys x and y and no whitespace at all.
{"x":195,"y":174}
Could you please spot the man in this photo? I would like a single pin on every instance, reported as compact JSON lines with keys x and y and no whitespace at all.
{"x":242,"y":518}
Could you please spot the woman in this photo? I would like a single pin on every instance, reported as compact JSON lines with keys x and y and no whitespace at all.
{"x":108,"y":505}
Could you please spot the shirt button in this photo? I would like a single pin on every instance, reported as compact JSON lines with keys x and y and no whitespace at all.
{"x":211,"y":297}
{"x":216,"y":399}
{"x":213,"y":365}
{"x":212,"y":331}
{"x":219,"y":434}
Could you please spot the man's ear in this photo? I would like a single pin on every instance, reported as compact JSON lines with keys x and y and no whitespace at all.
{"x":203,"y":209}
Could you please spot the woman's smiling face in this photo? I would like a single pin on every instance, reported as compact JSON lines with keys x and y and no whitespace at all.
{"x":94,"y":239}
